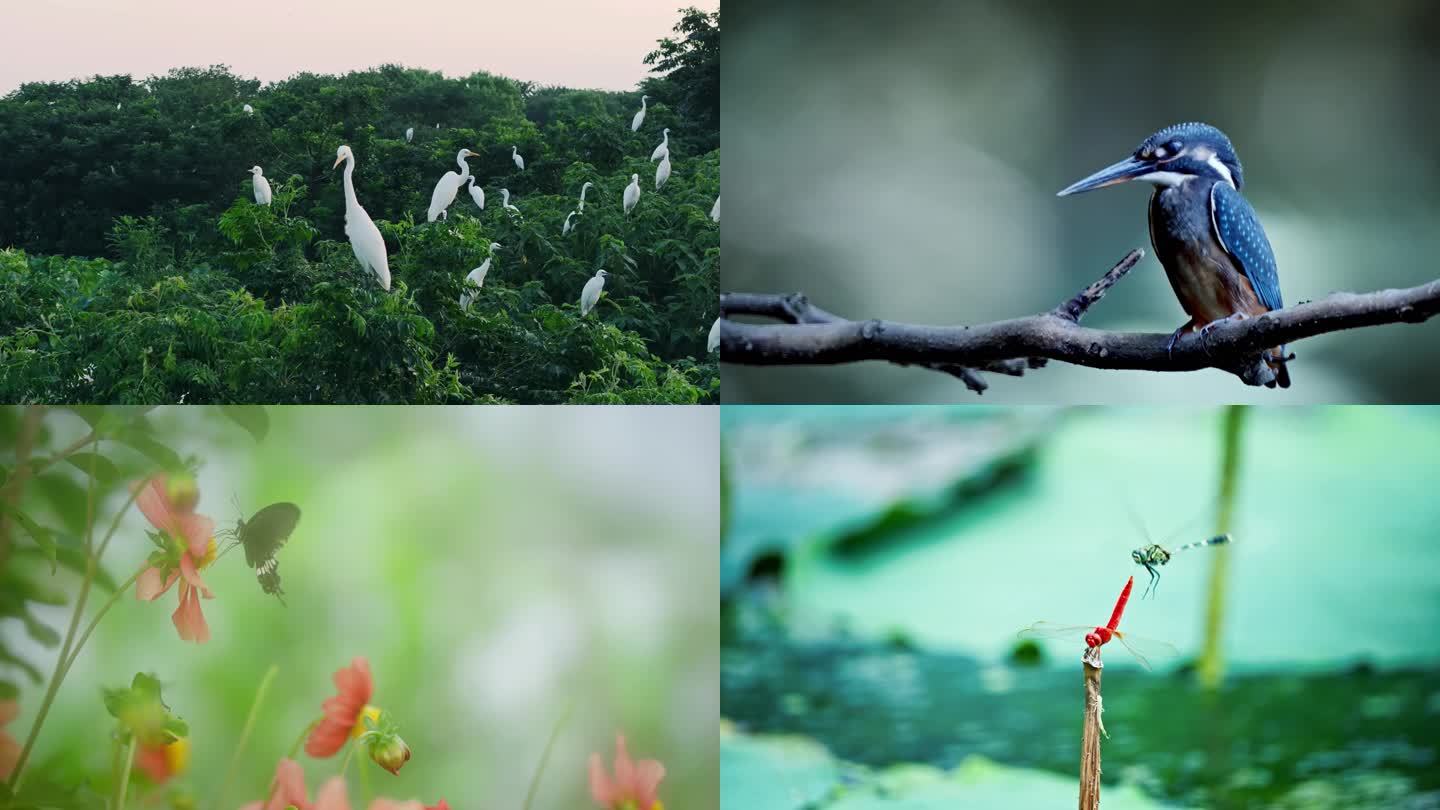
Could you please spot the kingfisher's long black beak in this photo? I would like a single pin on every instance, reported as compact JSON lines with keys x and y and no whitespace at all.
{"x":1127,"y":169}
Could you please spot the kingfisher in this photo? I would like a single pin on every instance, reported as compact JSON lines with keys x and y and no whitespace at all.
{"x":1205,"y":233}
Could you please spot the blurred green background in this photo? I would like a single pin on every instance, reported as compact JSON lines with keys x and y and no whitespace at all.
{"x":877,"y":563}
{"x":900,"y":161}
{"x":493,"y":565}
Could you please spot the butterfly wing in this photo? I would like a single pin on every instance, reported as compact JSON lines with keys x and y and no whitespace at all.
{"x":265,"y":533}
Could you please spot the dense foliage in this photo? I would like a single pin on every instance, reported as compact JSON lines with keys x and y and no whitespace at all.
{"x":189,"y":291}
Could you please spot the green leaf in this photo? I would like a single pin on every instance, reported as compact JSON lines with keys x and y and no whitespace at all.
{"x":73,"y":558}
{"x":148,"y":447}
{"x":105,"y":470}
{"x":39,"y":631}
{"x":67,"y":497}
{"x":8,"y":691}
{"x":253,"y":418}
{"x":143,"y":713}
{"x":7,"y":657}
{"x":42,"y":536}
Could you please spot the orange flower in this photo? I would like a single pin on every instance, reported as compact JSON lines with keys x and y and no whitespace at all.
{"x":286,"y":790}
{"x":354,"y":687}
{"x":189,"y":546}
{"x":9,"y":748}
{"x":634,"y":784}
{"x":163,"y":762}
{"x":441,"y":806}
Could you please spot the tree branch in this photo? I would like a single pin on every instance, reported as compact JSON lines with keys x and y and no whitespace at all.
{"x":809,"y":335}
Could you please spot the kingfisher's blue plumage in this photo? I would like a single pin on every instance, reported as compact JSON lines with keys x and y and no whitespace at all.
{"x":1205,"y":233}
{"x":1243,"y":238}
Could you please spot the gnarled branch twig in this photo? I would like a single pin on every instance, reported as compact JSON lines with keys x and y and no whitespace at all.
{"x":809,"y":335}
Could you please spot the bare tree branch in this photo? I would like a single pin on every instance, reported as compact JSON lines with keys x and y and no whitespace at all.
{"x":808,"y":335}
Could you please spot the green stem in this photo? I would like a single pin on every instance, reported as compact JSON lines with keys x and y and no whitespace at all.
{"x":299,"y":741}
{"x":100,"y":614}
{"x":545,"y":755}
{"x":345,"y":763}
{"x":1211,"y":667}
{"x":57,"y":677}
{"x":245,"y":734}
{"x":124,"y":783}
{"x":365,"y":784}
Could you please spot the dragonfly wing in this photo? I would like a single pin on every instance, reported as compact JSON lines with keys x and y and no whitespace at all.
{"x":1146,"y":648}
{"x":1069,"y":632}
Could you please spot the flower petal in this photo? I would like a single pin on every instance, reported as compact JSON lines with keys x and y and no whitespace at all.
{"x":9,"y":755}
{"x":648,"y":773}
{"x":332,"y":796}
{"x":602,"y":789}
{"x":155,"y":505}
{"x":197,"y":531}
{"x":624,"y":769}
{"x":288,"y":787}
{"x":192,"y":576}
{"x":152,"y":583}
{"x":189,"y":619}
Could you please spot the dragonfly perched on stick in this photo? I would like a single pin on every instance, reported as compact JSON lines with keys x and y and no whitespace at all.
{"x":1098,"y":636}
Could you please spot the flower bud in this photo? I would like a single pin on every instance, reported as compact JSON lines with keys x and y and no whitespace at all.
{"x":389,"y":752}
{"x":183,"y":492}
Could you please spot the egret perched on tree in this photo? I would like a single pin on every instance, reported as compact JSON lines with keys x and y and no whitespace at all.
{"x":632,"y":193}
{"x":639,"y":116}
{"x":505,"y":201}
{"x":715,"y":209}
{"x":262,"y":186}
{"x":568,"y":227}
{"x":662,"y":172}
{"x":249,"y":110}
{"x":477,"y":278}
{"x":365,"y":238}
{"x":591,"y":294}
{"x":584,"y":189}
{"x":477,"y":193}
{"x":449,"y":186}
{"x":712,"y":343}
{"x":515,"y":156}
{"x":409,"y":134}
{"x":664,"y":148}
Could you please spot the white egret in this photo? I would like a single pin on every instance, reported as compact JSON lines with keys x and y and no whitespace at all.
{"x":449,"y":186}
{"x":662,"y":173}
{"x":476,"y":277}
{"x":505,"y":201}
{"x":632,"y":193}
{"x":249,"y":110}
{"x":365,"y":238}
{"x":515,"y":156}
{"x":409,"y":134}
{"x":639,"y":116}
{"x":591,"y":294}
{"x":584,"y":189}
{"x":664,"y":148}
{"x":568,"y":227}
{"x":477,"y":193}
{"x":713,"y":342}
{"x":262,"y":186}
{"x":715,"y":209}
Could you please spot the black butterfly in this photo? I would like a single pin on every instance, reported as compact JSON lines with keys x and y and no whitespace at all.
{"x":262,"y":536}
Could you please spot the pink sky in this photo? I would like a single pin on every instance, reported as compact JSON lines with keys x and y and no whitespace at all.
{"x":575,"y":43}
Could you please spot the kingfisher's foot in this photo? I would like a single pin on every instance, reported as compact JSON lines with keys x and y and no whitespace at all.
{"x":1205,"y":330}
{"x":1170,"y":346}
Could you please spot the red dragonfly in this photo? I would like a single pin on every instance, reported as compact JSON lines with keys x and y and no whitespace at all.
{"x":1096,"y":637}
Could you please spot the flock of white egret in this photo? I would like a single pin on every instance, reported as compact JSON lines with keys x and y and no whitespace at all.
{"x":369,"y":245}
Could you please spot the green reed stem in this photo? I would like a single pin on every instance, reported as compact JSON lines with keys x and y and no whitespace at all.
{"x":1211,"y":668}
{"x":124,"y":783}
{"x":245,"y":735}
{"x":545,"y":755}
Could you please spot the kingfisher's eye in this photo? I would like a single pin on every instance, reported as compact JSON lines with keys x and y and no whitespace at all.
{"x":1175,"y":147}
